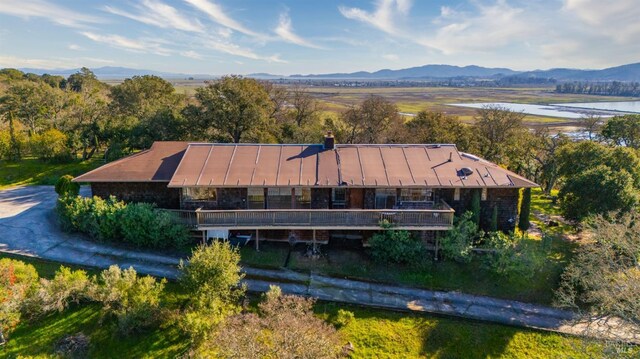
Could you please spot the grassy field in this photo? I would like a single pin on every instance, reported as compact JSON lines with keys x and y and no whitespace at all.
{"x":373,"y":332}
{"x":31,"y":171}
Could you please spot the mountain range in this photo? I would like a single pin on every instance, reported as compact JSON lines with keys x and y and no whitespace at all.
{"x":630,"y":72}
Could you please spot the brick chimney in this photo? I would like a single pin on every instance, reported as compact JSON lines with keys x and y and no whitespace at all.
{"x":329,"y":141}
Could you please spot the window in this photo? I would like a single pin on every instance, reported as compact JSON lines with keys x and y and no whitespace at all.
{"x":303,"y":198}
{"x":416,"y":195}
{"x":200,"y":194}
{"x":385,"y":198}
{"x":339,"y":198}
{"x":255,"y":198}
{"x":279,"y":198}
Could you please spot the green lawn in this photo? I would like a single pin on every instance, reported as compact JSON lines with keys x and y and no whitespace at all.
{"x":373,"y":332}
{"x":33,"y":171}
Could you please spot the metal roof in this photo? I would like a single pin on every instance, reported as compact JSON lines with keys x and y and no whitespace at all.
{"x":256,"y":165}
{"x":157,"y":164}
{"x":184,"y":164}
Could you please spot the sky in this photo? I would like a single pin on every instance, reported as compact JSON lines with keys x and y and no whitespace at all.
{"x":286,"y":37}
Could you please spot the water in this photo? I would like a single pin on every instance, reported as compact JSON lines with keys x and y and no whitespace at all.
{"x":626,"y":106}
{"x":540,"y":110}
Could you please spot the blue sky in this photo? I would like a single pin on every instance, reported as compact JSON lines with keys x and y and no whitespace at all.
{"x":319,"y":36}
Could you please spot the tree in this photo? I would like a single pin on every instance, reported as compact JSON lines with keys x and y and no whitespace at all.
{"x":499,"y":131}
{"x":436,"y":127}
{"x":285,"y":327}
{"x":494,"y":219}
{"x":591,"y":123}
{"x":303,"y":106}
{"x":546,"y":156}
{"x":602,"y":281}
{"x":623,"y":131}
{"x":233,"y":107}
{"x":143,"y":96}
{"x":596,"y":191}
{"x":211,"y":276}
{"x":50,"y":145}
{"x":525,"y":210}
{"x":371,"y":121}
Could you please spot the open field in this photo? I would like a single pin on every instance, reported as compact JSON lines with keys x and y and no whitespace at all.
{"x":412,"y":100}
{"x":373,"y":332}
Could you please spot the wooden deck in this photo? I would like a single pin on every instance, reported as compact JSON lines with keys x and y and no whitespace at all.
{"x":328,"y":219}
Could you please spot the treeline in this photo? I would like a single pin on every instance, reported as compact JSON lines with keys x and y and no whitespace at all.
{"x":615,"y":88}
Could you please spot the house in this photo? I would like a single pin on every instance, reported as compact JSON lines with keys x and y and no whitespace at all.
{"x":313,"y":192}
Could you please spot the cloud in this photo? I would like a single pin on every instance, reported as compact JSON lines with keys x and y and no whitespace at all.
{"x":51,"y":63}
{"x":615,"y":19}
{"x":285,"y":31}
{"x":192,"y":55}
{"x":217,"y":14}
{"x":486,"y":28}
{"x":44,"y":9}
{"x":140,"y":45}
{"x":391,"y":57}
{"x":230,"y":48}
{"x":74,"y":47}
{"x":382,"y":17}
{"x":156,"y":13}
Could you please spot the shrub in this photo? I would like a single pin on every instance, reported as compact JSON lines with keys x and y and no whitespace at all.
{"x":211,"y":277}
{"x":95,"y":217}
{"x":458,"y":241}
{"x":110,"y":220}
{"x":393,"y":246}
{"x":65,"y":187}
{"x":343,"y":318}
{"x":513,"y":256}
{"x":494,"y":219}
{"x":525,"y":210}
{"x":285,"y":327}
{"x":143,"y":225}
{"x":50,"y":145}
{"x":18,"y":283}
{"x":66,"y":287}
{"x":133,"y":300}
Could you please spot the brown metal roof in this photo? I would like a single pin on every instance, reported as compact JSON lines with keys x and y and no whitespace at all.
{"x":255,"y":165}
{"x":251,"y":165}
{"x":157,"y":164}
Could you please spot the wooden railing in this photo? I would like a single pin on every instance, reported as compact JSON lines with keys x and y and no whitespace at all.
{"x":319,"y":218}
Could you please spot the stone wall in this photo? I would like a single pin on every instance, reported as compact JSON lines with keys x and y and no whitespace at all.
{"x":506,"y":199}
{"x":149,"y":192}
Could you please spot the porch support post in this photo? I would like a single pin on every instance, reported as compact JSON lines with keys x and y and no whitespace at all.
{"x":257,"y":240}
{"x":204,"y":237}
{"x":437,"y":244}
{"x":314,"y":241}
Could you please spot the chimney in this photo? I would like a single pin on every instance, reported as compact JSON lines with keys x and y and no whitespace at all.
{"x":329,"y":141}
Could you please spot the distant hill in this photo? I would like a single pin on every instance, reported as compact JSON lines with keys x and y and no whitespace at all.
{"x":630,"y":72}
{"x":420,"y":72}
{"x":113,"y":72}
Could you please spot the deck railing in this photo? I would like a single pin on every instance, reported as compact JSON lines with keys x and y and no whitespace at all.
{"x":319,"y":218}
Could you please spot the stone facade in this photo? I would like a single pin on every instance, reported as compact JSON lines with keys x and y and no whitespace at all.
{"x":150,"y":192}
{"x":506,"y":199}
